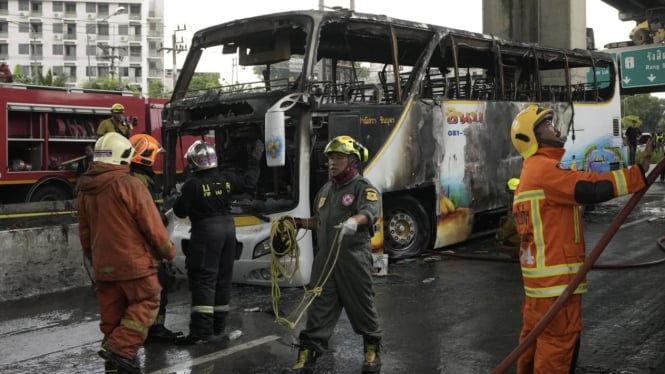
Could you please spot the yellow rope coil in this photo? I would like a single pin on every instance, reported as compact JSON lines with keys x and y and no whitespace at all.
{"x":283,"y":235}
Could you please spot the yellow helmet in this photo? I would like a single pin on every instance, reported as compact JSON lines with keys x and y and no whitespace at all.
{"x":146,"y":148}
{"x":117,"y":108}
{"x":522,"y":131}
{"x":347,"y":145}
{"x":114,"y":149}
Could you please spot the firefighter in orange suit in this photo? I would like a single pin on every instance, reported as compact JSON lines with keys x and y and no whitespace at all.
{"x":122,"y":233}
{"x":547,"y":213}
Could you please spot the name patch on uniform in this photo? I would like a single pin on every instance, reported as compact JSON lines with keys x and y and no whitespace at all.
{"x":347,"y":199}
{"x":322,"y":202}
{"x":371,"y":194}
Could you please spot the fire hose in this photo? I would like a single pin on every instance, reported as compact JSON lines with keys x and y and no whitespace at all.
{"x":588,"y":263}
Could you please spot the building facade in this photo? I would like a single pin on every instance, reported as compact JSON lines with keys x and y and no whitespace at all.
{"x":85,"y":40}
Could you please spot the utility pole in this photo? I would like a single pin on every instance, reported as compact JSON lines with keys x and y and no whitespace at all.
{"x":176,"y":47}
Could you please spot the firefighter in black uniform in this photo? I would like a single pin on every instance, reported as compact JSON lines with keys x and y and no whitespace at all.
{"x":346,"y":207}
{"x":206,"y":199}
{"x":147,"y":148}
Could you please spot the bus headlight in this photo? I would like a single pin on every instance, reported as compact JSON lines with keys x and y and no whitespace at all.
{"x":261,"y":249}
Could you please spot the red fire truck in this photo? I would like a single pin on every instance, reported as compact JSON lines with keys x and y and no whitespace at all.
{"x":44,"y":132}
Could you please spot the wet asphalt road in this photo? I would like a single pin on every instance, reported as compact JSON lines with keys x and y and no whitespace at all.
{"x":440,"y":314}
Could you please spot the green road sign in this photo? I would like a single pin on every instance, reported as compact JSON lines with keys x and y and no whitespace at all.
{"x":643,"y":67}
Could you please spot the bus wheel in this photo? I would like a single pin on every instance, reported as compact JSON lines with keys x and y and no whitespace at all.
{"x":50,"y":193}
{"x":406,"y":228}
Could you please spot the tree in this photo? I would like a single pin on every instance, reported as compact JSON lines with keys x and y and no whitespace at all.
{"x":647,"y":110}
{"x":156,"y":89}
{"x":204,"y":81}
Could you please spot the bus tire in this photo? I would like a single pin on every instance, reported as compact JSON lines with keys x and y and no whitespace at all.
{"x":50,"y":193}
{"x":407,"y":227}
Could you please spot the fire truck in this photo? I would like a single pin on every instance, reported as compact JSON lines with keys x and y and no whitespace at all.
{"x":45,"y":130}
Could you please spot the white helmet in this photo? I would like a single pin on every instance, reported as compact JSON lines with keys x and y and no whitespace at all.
{"x":201,"y":156}
{"x":114,"y":149}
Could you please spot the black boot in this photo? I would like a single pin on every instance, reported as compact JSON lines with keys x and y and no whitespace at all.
{"x":190,"y":340}
{"x":124,"y":365}
{"x":372,"y":363}
{"x":160,"y":334}
{"x":306,"y":360}
{"x":219,"y":323}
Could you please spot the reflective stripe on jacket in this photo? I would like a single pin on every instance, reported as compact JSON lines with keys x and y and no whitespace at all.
{"x":547,"y":213}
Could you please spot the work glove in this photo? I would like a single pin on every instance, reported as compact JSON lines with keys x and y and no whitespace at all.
{"x":350,"y":226}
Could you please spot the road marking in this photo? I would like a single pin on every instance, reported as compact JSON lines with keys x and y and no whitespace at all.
{"x":213,"y":356}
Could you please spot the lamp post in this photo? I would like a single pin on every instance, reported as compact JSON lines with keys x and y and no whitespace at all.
{"x":119,"y":10}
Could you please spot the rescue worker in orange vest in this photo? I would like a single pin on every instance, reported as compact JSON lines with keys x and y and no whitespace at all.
{"x":115,"y":123}
{"x":547,"y":213}
{"x":147,"y":148}
{"x":122,"y":234}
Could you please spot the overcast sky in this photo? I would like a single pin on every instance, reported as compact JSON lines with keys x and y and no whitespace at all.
{"x":197,"y":14}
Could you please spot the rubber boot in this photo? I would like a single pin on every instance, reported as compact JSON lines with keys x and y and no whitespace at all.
{"x":219,"y":323}
{"x":160,"y":334}
{"x":123,"y":364}
{"x":306,"y":361}
{"x":372,"y":349}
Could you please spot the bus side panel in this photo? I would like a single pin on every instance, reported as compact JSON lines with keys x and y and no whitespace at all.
{"x":598,"y":138}
{"x":476,"y":159}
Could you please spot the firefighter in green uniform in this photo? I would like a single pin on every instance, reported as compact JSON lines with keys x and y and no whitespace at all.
{"x":115,"y":123}
{"x":345,"y":209}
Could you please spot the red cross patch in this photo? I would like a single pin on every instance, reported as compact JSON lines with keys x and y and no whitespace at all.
{"x":347,"y":199}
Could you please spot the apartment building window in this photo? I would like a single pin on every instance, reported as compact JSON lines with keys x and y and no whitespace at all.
{"x":91,"y":50}
{"x":90,"y":7}
{"x":70,"y":30}
{"x":4,"y":7}
{"x":137,"y":30}
{"x":58,"y":28}
{"x":123,"y":29}
{"x":24,"y":49}
{"x":90,"y":71}
{"x":36,"y":7}
{"x":102,"y":9}
{"x":23,"y":27}
{"x":4,"y":28}
{"x":137,"y":71}
{"x":103,"y":29}
{"x":70,"y":8}
{"x":4,"y":51}
{"x":58,"y":49}
{"x":71,"y":72}
{"x":58,"y":6}
{"x":124,"y":71}
{"x":102,"y":71}
{"x":135,"y":11}
{"x":70,"y":51}
{"x":37,"y":29}
{"x":58,"y":70}
{"x":36,"y":50}
{"x":23,"y":5}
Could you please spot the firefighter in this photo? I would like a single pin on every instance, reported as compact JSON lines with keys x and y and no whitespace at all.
{"x":507,"y":237}
{"x":115,"y":123}
{"x":122,"y":234}
{"x":206,"y":199}
{"x":346,"y":207}
{"x":549,"y":221}
{"x":147,"y":148}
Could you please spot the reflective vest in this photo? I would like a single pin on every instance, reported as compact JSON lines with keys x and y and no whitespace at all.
{"x":548,"y":218}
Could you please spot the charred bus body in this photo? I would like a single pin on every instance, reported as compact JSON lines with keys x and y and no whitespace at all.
{"x":433,"y":105}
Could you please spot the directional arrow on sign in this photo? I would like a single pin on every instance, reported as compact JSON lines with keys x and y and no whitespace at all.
{"x":626,"y":80}
{"x":651,"y":77}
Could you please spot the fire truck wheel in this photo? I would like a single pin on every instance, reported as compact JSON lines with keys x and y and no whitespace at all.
{"x":50,"y":193}
{"x":406,"y":230}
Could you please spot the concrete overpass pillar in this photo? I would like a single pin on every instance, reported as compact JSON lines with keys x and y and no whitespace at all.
{"x":550,"y":23}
